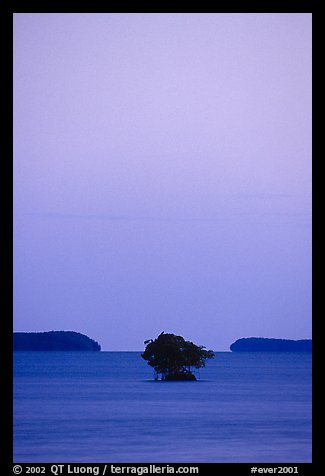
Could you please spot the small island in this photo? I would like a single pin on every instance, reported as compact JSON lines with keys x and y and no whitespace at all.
{"x":53,"y":341}
{"x":261,"y":344}
{"x":172,"y":357}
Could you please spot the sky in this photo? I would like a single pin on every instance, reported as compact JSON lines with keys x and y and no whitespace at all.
{"x":162,"y":176}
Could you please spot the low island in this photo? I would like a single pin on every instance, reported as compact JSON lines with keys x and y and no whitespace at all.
{"x":53,"y":341}
{"x":261,"y":344}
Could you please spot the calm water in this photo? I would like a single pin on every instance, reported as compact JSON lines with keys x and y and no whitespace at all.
{"x":105,"y":407}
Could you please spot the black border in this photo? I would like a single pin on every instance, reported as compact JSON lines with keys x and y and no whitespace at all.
{"x":6,"y":348}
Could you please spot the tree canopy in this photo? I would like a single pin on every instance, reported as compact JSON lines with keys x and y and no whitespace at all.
{"x":172,"y":357}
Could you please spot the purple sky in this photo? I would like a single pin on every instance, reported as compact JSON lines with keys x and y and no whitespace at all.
{"x":162,"y":176}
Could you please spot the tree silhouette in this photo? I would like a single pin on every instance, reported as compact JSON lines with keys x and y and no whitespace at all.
{"x":172,"y":357}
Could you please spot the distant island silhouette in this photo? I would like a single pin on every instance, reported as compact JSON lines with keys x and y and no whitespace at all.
{"x":53,"y":341}
{"x":262,"y":344}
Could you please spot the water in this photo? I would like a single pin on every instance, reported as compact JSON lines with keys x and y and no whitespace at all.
{"x":105,"y":407}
